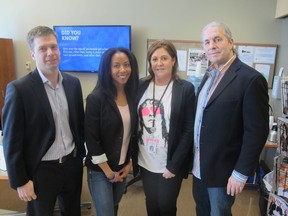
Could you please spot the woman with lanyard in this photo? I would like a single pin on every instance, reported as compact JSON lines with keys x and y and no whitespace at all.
{"x":165,"y":133}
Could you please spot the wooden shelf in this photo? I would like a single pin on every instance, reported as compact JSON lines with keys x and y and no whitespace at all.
{"x":271,"y":145}
{"x":3,"y":175}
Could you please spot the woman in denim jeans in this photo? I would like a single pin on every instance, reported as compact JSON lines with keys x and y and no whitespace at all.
{"x":110,"y":120}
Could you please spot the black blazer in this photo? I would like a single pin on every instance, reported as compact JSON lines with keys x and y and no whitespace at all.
{"x":235,"y":125}
{"x":104,"y":128}
{"x":180,"y":138}
{"x":28,"y":124}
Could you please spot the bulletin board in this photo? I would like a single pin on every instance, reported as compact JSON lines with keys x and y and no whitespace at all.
{"x":192,"y":59}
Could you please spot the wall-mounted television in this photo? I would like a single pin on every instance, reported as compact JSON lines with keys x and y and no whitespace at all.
{"x":81,"y":47}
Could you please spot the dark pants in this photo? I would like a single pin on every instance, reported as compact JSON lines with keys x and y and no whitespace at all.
{"x":161,"y":194}
{"x":54,"y":180}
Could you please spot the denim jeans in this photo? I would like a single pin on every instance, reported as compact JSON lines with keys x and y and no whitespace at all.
{"x":211,"y":201}
{"x":106,"y":195}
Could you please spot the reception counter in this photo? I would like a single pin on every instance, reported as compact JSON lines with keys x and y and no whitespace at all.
{"x":3,"y":175}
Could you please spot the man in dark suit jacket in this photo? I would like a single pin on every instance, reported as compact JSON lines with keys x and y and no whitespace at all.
{"x":231,"y":124}
{"x":43,"y":138}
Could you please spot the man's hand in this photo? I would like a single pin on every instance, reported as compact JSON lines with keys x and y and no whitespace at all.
{"x":26,"y":192}
{"x":234,"y":187}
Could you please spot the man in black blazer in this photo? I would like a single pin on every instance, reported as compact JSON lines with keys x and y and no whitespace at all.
{"x":43,"y":138}
{"x":231,"y":124}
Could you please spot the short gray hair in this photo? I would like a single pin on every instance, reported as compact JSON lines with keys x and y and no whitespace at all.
{"x":39,"y":31}
{"x":222,"y":25}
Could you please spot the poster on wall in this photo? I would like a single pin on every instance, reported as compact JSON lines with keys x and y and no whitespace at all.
{"x":261,"y":57}
{"x":197,"y":62}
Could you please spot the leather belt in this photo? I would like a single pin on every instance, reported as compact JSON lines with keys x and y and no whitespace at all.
{"x":64,"y":158}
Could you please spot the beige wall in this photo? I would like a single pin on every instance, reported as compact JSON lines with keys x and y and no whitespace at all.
{"x":250,"y":21}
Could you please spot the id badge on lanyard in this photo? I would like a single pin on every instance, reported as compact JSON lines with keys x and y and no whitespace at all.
{"x":152,"y":145}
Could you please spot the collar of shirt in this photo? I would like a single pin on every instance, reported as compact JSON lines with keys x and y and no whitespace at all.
{"x":224,"y":68}
{"x":45,"y":80}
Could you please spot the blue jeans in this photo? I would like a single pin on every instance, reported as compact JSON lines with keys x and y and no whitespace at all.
{"x":211,"y":201}
{"x":106,"y":195}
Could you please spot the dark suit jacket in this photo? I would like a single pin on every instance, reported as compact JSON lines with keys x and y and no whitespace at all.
{"x":180,"y":138}
{"x":235,"y":125}
{"x":28,"y":124}
{"x":104,"y":128}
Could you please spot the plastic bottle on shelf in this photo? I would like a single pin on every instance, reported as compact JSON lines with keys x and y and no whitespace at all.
{"x":273,"y":133}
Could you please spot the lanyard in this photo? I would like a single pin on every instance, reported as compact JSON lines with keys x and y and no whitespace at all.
{"x":153,"y":129}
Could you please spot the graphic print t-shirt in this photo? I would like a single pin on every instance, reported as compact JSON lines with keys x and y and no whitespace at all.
{"x":153,"y":146}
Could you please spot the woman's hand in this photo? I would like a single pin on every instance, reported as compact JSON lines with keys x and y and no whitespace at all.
{"x":167,"y":174}
{"x":125,"y":171}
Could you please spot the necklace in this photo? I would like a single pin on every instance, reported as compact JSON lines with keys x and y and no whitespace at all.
{"x":153,"y":128}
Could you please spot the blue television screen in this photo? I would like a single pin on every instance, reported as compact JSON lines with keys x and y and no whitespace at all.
{"x":81,"y":47}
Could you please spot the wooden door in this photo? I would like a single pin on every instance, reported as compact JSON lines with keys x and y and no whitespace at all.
{"x":7,"y":68}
